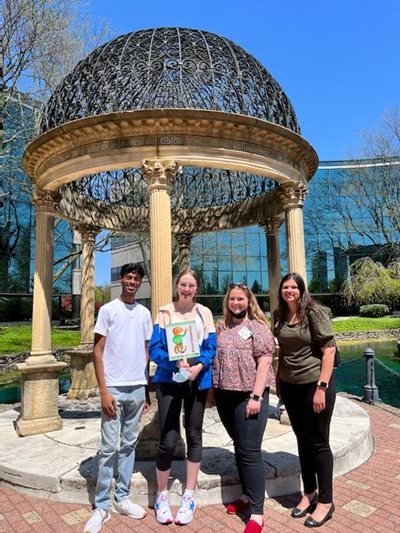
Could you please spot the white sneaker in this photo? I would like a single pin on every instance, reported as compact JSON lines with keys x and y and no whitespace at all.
{"x":162,"y":509}
{"x":98,"y":518}
{"x":133,"y":510}
{"x":186,"y":511}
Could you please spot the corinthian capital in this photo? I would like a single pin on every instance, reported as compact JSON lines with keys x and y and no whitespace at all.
{"x":46,"y":200}
{"x":183,"y":239}
{"x":159,"y":174}
{"x":271,"y":225}
{"x":88,"y":233}
{"x":292,"y":194}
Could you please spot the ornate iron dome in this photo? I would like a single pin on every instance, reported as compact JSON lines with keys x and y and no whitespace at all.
{"x":175,"y":68}
{"x":193,"y":187}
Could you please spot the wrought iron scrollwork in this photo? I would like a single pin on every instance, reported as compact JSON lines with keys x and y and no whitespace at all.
{"x":191,"y":188}
{"x":175,"y":68}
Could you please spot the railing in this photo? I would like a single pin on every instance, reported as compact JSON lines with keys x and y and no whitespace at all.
{"x":380,"y":381}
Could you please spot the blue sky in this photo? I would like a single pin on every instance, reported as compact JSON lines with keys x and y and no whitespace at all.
{"x":338,"y":61}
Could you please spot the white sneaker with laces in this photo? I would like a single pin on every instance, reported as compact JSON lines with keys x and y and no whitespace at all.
{"x":162,"y":509}
{"x":98,"y":518}
{"x":133,"y":510}
{"x":186,"y":511}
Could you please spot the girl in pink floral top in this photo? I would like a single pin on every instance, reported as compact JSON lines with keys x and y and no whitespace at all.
{"x":242,"y":377}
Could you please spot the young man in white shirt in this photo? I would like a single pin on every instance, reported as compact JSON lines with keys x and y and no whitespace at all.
{"x":122,"y":330}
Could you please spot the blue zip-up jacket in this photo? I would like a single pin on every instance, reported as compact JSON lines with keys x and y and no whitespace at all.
{"x":158,"y":350}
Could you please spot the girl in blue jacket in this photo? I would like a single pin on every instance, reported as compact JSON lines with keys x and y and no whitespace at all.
{"x":172,"y":392}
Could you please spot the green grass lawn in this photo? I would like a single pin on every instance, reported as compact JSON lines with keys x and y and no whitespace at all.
{"x":366,"y":324}
{"x":18,"y":339}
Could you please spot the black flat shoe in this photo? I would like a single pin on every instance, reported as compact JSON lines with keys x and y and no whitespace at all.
{"x":310,"y":522}
{"x":301,"y":513}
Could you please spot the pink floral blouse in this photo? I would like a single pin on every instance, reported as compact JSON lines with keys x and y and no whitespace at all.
{"x":234,"y":366}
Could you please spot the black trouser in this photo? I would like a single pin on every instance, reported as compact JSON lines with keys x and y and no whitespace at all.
{"x":247,"y":435}
{"x":170,"y":397}
{"x":312,"y":433}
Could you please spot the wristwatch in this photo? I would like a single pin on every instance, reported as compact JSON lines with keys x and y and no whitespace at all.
{"x":256,"y":397}
{"x":322,"y":384}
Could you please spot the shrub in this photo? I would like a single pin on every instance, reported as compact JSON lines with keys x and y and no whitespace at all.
{"x":374,"y":310}
{"x":371,"y":283}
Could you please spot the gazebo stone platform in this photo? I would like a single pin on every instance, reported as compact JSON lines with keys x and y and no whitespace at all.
{"x":62,"y":465}
{"x":168,"y":132}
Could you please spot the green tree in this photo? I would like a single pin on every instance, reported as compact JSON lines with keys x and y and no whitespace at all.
{"x":371,"y":283}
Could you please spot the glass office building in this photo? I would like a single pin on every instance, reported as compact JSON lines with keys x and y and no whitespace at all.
{"x":340,"y":226}
{"x":17,"y":216}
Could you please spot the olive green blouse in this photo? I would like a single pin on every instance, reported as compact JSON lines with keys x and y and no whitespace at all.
{"x":301,"y":348}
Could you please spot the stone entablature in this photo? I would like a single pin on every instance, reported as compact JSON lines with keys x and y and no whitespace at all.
{"x":192,"y":137}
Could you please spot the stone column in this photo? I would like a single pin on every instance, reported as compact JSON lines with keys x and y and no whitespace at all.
{"x":39,"y":405}
{"x":76,"y":275}
{"x":159,"y":175}
{"x":292,"y":197}
{"x":271,"y":227}
{"x":83,"y":378}
{"x":184,"y":240}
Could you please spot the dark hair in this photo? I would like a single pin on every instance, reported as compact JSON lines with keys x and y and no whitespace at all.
{"x":136,"y":268}
{"x":304,"y":303}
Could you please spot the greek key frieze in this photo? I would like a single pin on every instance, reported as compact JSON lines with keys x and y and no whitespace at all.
{"x":174,"y":140}
{"x":111,"y":145}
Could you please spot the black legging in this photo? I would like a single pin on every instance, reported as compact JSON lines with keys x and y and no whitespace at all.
{"x":170,"y":397}
{"x":312,"y":433}
{"x":247,"y":435}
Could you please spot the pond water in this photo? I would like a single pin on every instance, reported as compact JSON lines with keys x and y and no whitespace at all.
{"x":350,"y":376}
{"x":11,"y":392}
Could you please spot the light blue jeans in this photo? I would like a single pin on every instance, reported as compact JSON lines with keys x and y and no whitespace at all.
{"x":119,"y":437}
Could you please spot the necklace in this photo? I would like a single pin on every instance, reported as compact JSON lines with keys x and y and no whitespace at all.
{"x":292,"y":320}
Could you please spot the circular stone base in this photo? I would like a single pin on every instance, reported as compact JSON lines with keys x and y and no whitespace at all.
{"x":62,"y":465}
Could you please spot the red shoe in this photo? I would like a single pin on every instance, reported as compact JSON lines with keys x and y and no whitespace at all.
{"x":253,"y":527}
{"x":238,"y":506}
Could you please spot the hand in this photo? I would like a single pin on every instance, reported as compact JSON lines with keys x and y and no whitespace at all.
{"x":182,"y":364}
{"x":108,"y":405}
{"x":210,"y":402}
{"x":146,"y":407}
{"x":319,"y":400}
{"x":253,"y":407}
{"x":194,"y":371}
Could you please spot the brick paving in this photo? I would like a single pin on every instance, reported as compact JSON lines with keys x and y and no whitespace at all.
{"x":366,"y":499}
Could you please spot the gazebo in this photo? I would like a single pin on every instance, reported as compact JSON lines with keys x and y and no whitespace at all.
{"x":174,"y":131}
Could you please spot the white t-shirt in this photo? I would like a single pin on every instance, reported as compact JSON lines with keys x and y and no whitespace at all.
{"x":126,"y":327}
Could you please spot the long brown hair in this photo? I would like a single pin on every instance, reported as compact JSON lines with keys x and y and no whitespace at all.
{"x":304,"y":304}
{"x":254,"y":311}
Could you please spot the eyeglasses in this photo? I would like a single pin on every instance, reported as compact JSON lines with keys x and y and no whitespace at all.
{"x":238,"y":286}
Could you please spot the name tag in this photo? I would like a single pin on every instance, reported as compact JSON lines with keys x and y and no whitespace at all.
{"x":245,"y":333}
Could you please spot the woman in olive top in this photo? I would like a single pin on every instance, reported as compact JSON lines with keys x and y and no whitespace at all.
{"x":306,"y":386}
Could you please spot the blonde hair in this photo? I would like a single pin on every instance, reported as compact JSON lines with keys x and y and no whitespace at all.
{"x":254,"y":311}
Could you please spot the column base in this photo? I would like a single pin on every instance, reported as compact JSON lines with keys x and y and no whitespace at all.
{"x":35,"y":426}
{"x":42,"y":358}
{"x":83,"y":376}
{"x":147,"y":447}
{"x":39,"y":405}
